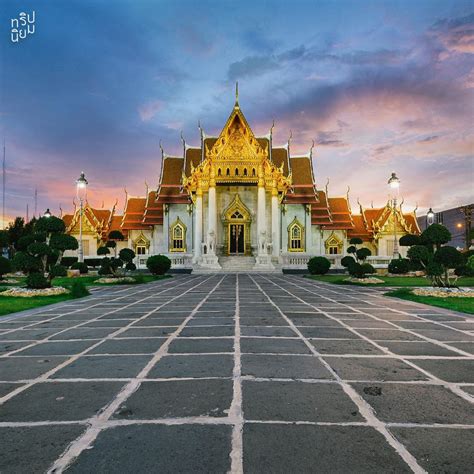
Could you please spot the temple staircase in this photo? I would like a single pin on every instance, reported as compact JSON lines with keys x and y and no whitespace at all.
{"x":237,"y":264}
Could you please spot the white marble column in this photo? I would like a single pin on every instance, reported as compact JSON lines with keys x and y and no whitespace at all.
{"x":198,"y":226}
{"x":212,"y":218}
{"x":261,"y":217}
{"x":275,"y":224}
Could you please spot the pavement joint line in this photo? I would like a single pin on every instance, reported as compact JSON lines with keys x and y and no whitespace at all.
{"x":79,"y":325}
{"x":37,"y":311}
{"x":73,"y":358}
{"x":364,"y":408}
{"x":96,"y":423}
{"x":235,"y":411}
{"x":449,"y":385}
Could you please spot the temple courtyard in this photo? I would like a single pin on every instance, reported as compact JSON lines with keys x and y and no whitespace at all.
{"x":237,"y":372}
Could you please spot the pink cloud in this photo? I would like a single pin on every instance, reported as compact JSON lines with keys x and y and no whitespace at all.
{"x":149,"y":110}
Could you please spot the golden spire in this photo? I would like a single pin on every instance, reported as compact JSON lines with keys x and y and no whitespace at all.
{"x":236,"y":94}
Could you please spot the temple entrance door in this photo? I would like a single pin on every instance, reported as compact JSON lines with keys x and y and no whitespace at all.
{"x":236,"y":239}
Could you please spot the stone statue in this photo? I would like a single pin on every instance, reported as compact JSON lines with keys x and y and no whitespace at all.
{"x":211,"y":242}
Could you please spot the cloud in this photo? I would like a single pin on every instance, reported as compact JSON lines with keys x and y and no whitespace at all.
{"x":149,"y":110}
{"x":455,"y":34}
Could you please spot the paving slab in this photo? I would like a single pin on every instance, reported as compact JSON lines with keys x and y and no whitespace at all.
{"x":34,"y":448}
{"x":305,"y":448}
{"x":439,"y":449}
{"x":196,"y":365}
{"x":177,"y":399}
{"x":59,"y":401}
{"x":145,"y":449}
{"x":414,"y":403}
{"x":23,"y":368}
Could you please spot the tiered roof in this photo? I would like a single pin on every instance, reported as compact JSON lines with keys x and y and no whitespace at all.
{"x":328,"y":212}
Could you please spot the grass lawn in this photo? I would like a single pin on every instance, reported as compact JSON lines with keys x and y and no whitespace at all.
{"x":12,"y":304}
{"x":389,"y":281}
{"x":464,"y":305}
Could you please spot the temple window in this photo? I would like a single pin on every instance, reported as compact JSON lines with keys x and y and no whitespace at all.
{"x":177,"y":237}
{"x":219,"y":172}
{"x":140,"y":250}
{"x":237,"y":215}
{"x":333,"y":245}
{"x":228,"y":172}
{"x":253,"y":171}
{"x":245,"y":171}
{"x":236,"y":171}
{"x":296,"y":236}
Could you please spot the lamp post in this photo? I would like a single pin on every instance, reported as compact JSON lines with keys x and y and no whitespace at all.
{"x":394,"y":183}
{"x":430,"y":217}
{"x":81,"y":190}
{"x":47,"y":213}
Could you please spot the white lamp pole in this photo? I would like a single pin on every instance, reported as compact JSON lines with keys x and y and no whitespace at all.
{"x":81,"y":189}
{"x":394,"y":183}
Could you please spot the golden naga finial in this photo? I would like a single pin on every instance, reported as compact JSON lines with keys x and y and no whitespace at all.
{"x":311,"y":149}
{"x":237,"y":93}
{"x":326,"y":187}
{"x":416,"y":208}
{"x":103,"y":204}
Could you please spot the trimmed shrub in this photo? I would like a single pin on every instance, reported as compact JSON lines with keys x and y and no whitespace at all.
{"x":436,"y":234}
{"x":319,"y":265}
{"x":68,"y":261}
{"x":368,"y":269}
{"x":399,"y":266}
{"x":419,"y":254}
{"x":116,"y":235}
{"x":351,"y":249}
{"x":347,"y":261}
{"x":470,"y":262}
{"x":130,"y":266}
{"x":58,"y":271}
{"x":158,"y":264}
{"x":464,"y":271}
{"x":5,"y":266}
{"x":363,"y":253}
{"x":409,"y":239}
{"x":26,"y":263}
{"x":355,"y":241}
{"x":448,"y":256}
{"x":127,"y":255}
{"x":81,"y":266}
{"x":356,"y":270}
{"x":37,"y":281}
{"x":78,"y":289}
{"x":103,"y":251}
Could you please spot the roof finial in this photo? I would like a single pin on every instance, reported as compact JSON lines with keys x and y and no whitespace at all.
{"x":327,"y":184}
{"x":236,"y":93}
{"x":372,"y":204}
{"x":311,"y":149}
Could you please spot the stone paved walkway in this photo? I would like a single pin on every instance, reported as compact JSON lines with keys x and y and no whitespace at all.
{"x":241,"y":373}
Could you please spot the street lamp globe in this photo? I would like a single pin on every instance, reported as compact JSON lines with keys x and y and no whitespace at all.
{"x":47,"y":213}
{"x":394,"y":181}
{"x":81,"y":184}
{"x":430,"y":216}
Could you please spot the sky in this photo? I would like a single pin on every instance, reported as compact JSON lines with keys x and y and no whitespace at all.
{"x":380,"y":86}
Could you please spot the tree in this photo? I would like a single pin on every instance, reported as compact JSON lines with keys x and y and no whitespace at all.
{"x":435,"y":235}
{"x":103,"y":250}
{"x":3,"y":239}
{"x":63,"y":242}
{"x":116,"y":235}
{"x":5,"y":266}
{"x":409,"y":239}
{"x":444,"y":259}
{"x":363,"y":253}
{"x":352,"y":249}
{"x":355,"y":241}
{"x":127,"y":256}
{"x":419,"y":254}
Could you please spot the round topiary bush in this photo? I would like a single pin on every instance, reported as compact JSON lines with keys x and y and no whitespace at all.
{"x":158,"y":264}
{"x":356,"y":270}
{"x":37,"y":281}
{"x":399,"y":266}
{"x":81,"y":266}
{"x":368,"y":269}
{"x":5,"y":266}
{"x":58,"y":271}
{"x":347,"y":261}
{"x":319,"y":265}
{"x":464,"y":270}
{"x":363,"y":253}
{"x":130,"y":266}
